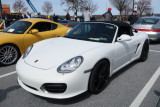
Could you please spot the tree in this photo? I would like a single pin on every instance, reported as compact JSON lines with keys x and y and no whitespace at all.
{"x":19,"y":6}
{"x":127,"y":10}
{"x":120,"y":5}
{"x":90,"y":5}
{"x":143,"y":5}
{"x":148,"y":11}
{"x":74,"y":5}
{"x":47,"y":7}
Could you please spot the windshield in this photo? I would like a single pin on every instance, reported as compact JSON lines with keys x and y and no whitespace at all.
{"x":147,"y":21}
{"x":98,"y":32}
{"x":19,"y":27}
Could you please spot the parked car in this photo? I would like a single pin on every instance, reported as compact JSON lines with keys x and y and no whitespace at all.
{"x":57,"y":19}
{"x":150,"y":25}
{"x":2,"y":25}
{"x":69,"y":23}
{"x":118,"y":19}
{"x":83,"y":60}
{"x":15,"y":39}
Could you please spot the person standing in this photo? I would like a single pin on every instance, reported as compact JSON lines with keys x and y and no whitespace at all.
{"x":68,"y":17}
{"x":87,"y":15}
{"x":27,"y":15}
{"x":108,"y":15}
{"x":133,"y":18}
{"x":55,"y":18}
{"x":74,"y":16}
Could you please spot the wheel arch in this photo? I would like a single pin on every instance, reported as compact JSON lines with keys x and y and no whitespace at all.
{"x":13,"y":45}
{"x":108,"y":72}
{"x":109,"y":63}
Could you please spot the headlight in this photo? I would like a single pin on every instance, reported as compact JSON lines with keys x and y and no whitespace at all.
{"x":70,"y":65}
{"x":27,"y":52}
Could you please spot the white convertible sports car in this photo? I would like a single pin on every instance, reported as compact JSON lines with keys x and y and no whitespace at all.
{"x":81,"y":61}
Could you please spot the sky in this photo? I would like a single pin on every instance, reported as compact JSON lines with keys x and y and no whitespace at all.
{"x":58,"y":9}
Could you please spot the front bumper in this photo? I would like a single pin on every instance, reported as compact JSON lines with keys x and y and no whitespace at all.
{"x":32,"y":80}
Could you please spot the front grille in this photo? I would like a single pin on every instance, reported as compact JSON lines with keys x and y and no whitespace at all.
{"x":54,"y":87}
{"x":30,"y":87}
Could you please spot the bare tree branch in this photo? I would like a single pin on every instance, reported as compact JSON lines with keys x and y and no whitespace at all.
{"x":127,"y":10}
{"x":120,"y":4}
{"x":19,"y":6}
{"x":90,"y":5}
{"x":74,"y":5}
{"x":143,"y":5}
{"x":148,"y":11}
{"x":47,"y":7}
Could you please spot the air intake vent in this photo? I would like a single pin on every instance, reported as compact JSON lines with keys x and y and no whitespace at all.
{"x":54,"y":87}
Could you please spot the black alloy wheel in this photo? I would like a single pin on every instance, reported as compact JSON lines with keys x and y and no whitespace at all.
{"x":9,"y":54}
{"x":98,"y":77}
{"x":144,"y":52}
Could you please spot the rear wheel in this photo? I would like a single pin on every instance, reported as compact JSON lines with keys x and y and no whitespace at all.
{"x":9,"y":54}
{"x":99,"y":77}
{"x":144,"y":52}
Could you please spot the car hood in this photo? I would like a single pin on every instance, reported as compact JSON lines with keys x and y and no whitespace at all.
{"x":54,"y":52}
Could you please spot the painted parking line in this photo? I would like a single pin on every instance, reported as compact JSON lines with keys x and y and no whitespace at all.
{"x":8,"y":74}
{"x":138,"y":100}
{"x":154,"y":51}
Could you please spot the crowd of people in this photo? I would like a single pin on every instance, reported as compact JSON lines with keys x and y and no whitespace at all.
{"x":107,"y":16}
{"x":86,"y":16}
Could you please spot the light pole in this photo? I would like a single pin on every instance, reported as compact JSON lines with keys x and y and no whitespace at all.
{"x":133,"y":5}
{"x":1,"y":9}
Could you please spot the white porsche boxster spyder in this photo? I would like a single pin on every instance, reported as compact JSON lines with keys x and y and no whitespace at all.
{"x":81,"y":61}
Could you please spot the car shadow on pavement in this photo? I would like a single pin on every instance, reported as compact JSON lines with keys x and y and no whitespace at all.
{"x":123,"y":70}
{"x":154,"y":42}
{"x":68,"y":101}
{"x":158,"y":94}
{"x":1,"y":66}
{"x":4,"y":93}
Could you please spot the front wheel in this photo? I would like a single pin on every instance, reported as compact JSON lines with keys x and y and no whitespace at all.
{"x":144,"y":52}
{"x":99,"y":77}
{"x":9,"y":54}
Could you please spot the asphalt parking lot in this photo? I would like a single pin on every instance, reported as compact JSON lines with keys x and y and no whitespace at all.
{"x":135,"y":85}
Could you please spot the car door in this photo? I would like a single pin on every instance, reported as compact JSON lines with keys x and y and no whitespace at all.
{"x":124,"y":50}
{"x":135,"y":46}
{"x":45,"y":30}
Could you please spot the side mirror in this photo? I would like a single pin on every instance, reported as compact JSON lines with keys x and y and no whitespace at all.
{"x":33,"y":31}
{"x":124,"y":37}
{"x":134,"y":30}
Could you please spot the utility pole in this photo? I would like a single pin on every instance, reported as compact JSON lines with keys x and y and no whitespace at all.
{"x":106,"y":6}
{"x":1,"y":9}
{"x":133,"y":5}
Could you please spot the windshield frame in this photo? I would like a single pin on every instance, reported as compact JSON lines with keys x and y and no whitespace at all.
{"x":113,"y":39}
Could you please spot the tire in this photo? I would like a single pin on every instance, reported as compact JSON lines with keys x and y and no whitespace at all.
{"x":9,"y":54}
{"x":98,"y":77}
{"x":144,"y":52}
